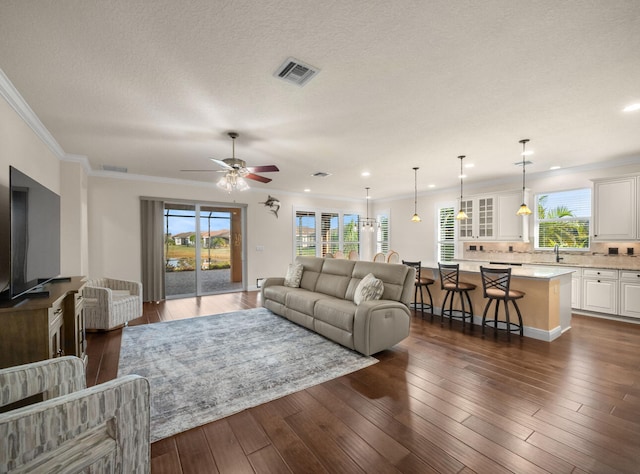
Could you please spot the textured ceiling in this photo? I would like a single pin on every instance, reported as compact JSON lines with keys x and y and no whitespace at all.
{"x":154,"y":86}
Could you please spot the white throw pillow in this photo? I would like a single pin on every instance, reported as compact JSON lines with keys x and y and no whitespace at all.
{"x":294,"y":275}
{"x":369,"y":288}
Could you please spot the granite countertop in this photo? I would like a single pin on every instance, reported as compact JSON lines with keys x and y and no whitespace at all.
{"x":603,"y":265}
{"x":544,"y":272}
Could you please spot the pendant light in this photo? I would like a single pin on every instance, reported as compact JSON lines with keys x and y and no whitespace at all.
{"x":461,"y":214}
{"x":524,"y":210}
{"x":416,"y":217}
{"x":369,"y":224}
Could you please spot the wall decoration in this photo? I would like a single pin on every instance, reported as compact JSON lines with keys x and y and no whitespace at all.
{"x":273,"y":204}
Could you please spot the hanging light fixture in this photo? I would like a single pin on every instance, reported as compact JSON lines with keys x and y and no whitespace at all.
{"x":369,"y":224}
{"x":416,"y":217}
{"x":461,"y":214}
{"x":524,"y":210}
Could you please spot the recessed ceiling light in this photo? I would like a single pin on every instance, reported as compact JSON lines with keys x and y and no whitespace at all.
{"x":432,"y":185}
{"x":527,"y":153}
{"x":631,"y":108}
{"x":307,"y":190}
{"x":462,"y":176}
{"x":555,"y":167}
{"x":469,"y":165}
{"x":366,"y":173}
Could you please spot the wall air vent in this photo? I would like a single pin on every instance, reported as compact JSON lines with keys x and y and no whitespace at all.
{"x":117,"y":169}
{"x":321,"y":174}
{"x":296,"y":72}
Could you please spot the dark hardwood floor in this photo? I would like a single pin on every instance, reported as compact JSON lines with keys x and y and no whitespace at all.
{"x":441,"y":401}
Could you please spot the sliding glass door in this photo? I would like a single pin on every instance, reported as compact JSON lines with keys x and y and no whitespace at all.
{"x":203,"y":249}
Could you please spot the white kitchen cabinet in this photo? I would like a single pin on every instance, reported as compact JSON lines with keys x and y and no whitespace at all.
{"x":615,"y":209}
{"x":630,"y":294}
{"x":512,"y":227}
{"x":600,"y":290}
{"x":481,"y":219}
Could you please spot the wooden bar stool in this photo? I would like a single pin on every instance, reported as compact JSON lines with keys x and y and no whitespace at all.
{"x":421,"y":281}
{"x":496,"y":287}
{"x":450,"y":282}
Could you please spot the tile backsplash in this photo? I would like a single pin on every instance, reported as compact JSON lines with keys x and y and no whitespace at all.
{"x":625,"y":255}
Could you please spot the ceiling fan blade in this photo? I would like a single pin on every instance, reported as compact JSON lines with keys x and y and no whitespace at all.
{"x":263,"y":169}
{"x":221,"y":164}
{"x":256,"y":177}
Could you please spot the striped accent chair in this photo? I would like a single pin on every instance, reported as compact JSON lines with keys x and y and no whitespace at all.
{"x":105,"y":428}
{"x":111,"y":303}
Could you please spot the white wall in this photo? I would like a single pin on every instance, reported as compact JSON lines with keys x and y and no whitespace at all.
{"x":22,"y":148}
{"x":114,"y":223}
{"x":74,"y":254}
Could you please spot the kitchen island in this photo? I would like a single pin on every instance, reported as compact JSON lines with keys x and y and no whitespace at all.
{"x":546,"y":307}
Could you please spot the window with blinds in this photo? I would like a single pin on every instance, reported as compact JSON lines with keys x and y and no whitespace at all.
{"x":382,"y":234}
{"x":329,"y":233}
{"x":350,"y":233}
{"x":563,"y":218}
{"x":446,"y":234}
{"x":305,"y":240}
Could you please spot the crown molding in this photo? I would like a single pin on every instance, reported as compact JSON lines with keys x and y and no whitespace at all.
{"x":17,"y":102}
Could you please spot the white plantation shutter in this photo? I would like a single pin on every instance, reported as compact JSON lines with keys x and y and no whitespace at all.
{"x":329,"y":232}
{"x":382,"y":234}
{"x":446,"y":234}
{"x":305,"y":233}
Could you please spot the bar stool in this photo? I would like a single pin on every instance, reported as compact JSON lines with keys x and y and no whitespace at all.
{"x":450,"y":282}
{"x":420,"y":282}
{"x":495,"y":286}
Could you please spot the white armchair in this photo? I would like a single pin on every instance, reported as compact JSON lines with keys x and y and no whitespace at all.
{"x":111,"y":303}
{"x":75,"y":429}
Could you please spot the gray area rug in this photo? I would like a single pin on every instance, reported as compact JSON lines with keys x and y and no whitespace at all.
{"x":203,"y":369}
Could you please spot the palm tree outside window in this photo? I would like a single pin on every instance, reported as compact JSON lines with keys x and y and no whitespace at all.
{"x":563,"y":218}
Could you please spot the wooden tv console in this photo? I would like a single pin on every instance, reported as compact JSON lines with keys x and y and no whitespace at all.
{"x":33,"y":329}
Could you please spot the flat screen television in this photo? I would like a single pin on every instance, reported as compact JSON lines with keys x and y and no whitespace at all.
{"x":34,"y":232}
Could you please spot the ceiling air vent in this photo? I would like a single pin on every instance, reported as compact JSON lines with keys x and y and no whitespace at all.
{"x":321,"y":174}
{"x":117,"y":169}
{"x":296,"y":72}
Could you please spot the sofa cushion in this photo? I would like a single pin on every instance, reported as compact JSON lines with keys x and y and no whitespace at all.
{"x":369,"y":288}
{"x":336,"y":312}
{"x":303,"y":301}
{"x":294,"y":275}
{"x":312,"y":268}
{"x":335,"y":277}
{"x":393,"y":277}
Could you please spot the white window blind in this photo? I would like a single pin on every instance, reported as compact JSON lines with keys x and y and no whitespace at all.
{"x":563,"y":218}
{"x":330,"y":237}
{"x":446,"y":234}
{"x":351,"y":233}
{"x":305,"y":233}
{"x":382,"y":234}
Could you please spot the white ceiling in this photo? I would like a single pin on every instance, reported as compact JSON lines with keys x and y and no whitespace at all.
{"x":154,"y":86}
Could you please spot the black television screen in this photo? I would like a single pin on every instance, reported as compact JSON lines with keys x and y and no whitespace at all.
{"x":35,"y":233}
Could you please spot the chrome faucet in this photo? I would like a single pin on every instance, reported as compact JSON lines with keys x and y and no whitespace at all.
{"x":556,"y":249}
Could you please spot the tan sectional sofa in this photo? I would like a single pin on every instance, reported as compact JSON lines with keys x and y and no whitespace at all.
{"x":324,"y":302}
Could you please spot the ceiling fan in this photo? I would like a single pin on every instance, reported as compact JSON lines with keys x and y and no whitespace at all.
{"x":236,"y":170}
